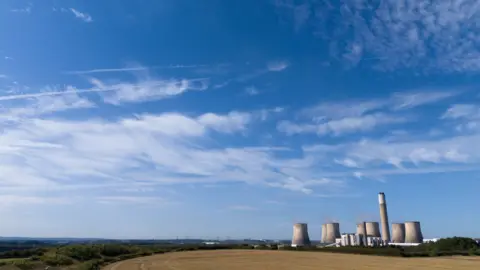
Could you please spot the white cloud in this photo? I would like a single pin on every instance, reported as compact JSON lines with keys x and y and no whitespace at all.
{"x":357,"y":107}
{"x":130,"y":69}
{"x":431,"y":35}
{"x":149,"y":89}
{"x":252,"y":91}
{"x":277,"y":65}
{"x":82,"y":16}
{"x":408,"y":100}
{"x":116,"y":93}
{"x":349,"y":116}
{"x":295,"y":184}
{"x":341,"y":126}
{"x":347,"y":162}
{"x":465,"y":116}
{"x":233,"y":121}
{"x":341,"y":109}
{"x":465,"y":111}
{"x":454,"y":150}
{"x":107,"y":70}
{"x":57,"y":154}
{"x":27,"y":9}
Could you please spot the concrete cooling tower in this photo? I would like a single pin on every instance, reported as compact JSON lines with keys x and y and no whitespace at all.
{"x":384,"y":217}
{"x":373,"y":229}
{"x":333,"y":232}
{"x":361,"y":229}
{"x":300,"y":235}
{"x":398,"y":233}
{"x":362,"y":232}
{"x":413,"y":232}
{"x":324,"y":233}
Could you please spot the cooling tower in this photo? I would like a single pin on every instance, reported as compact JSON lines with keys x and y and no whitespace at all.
{"x":324,"y":233}
{"x":333,"y":232}
{"x":300,"y":235}
{"x":413,"y":232}
{"x":398,"y":233}
{"x":373,"y":229}
{"x":384,"y":217}
{"x":362,"y":232}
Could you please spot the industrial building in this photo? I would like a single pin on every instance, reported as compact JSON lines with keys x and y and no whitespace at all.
{"x":371,"y":233}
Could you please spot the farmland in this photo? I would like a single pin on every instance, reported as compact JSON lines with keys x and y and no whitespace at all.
{"x":284,"y":260}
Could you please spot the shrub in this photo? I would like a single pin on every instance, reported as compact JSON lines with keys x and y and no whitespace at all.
{"x":80,"y":252}
{"x":57,"y":260}
{"x":114,"y":250}
{"x":23,"y":264}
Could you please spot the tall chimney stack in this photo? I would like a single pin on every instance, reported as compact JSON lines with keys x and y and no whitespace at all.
{"x":384,"y":217}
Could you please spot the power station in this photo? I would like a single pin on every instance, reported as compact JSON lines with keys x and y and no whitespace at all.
{"x":368,"y":233}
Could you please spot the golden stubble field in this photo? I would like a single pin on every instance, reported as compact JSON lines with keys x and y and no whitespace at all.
{"x":287,"y":260}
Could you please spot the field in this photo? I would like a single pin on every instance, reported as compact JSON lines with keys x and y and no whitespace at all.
{"x":287,"y":260}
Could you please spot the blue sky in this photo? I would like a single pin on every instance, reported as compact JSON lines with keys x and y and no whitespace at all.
{"x":142,"y":119}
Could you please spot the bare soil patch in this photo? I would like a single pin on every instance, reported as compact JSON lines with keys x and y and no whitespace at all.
{"x":287,"y":260}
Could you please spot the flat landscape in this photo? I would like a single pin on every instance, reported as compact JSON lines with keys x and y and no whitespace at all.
{"x":287,"y":260}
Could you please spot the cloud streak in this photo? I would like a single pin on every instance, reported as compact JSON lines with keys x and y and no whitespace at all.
{"x":116,"y":93}
{"x":130,"y":69}
{"x":276,"y":66}
{"x":82,"y":16}
{"x":343,"y":117}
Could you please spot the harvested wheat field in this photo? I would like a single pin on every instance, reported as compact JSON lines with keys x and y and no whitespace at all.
{"x":287,"y":260}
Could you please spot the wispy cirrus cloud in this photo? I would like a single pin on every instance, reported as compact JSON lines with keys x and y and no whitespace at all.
{"x":153,"y":148}
{"x":232,"y":122}
{"x":408,"y":100}
{"x":81,"y":15}
{"x":131,"y":68}
{"x":78,"y":14}
{"x":433,"y":36}
{"x":124,"y":91}
{"x":465,"y":111}
{"x":343,"y":117}
{"x":277,"y":65}
{"x":252,"y":91}
{"x":27,"y":9}
{"x":341,"y":126}
{"x":38,"y":144}
{"x":146,"y":89}
{"x":465,"y":117}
